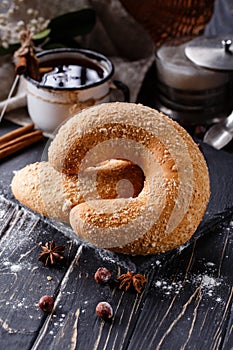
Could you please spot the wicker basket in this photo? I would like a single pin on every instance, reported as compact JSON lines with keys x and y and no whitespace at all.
{"x":169,"y":19}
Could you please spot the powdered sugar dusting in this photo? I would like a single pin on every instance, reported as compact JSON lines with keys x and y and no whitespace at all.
{"x":16,"y":268}
{"x":167,"y":287}
{"x":208,"y":284}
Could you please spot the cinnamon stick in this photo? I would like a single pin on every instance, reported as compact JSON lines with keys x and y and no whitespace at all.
{"x":21,"y":138}
{"x":15,"y":133}
{"x":44,"y":70}
{"x":26,"y":55}
{"x":21,"y":65}
{"x":20,"y":143}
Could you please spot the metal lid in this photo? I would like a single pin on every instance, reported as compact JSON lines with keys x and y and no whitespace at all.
{"x":211,"y":52}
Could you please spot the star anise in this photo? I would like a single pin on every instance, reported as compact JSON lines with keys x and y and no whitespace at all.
{"x":51,"y":253}
{"x":131,"y":279}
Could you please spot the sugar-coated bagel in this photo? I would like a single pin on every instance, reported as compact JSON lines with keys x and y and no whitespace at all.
{"x":50,"y":193}
{"x":167,"y":211}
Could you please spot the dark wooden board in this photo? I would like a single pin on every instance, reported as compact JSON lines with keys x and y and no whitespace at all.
{"x":23,"y":280}
{"x":187,"y":300}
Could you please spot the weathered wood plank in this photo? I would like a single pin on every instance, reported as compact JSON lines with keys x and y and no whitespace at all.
{"x":23,"y":279}
{"x":220,"y":165}
{"x":171,"y":314}
{"x":187,"y":300}
{"x":189,"y":303}
{"x":228,"y":340}
{"x":7,"y":211}
{"x":75,"y":307}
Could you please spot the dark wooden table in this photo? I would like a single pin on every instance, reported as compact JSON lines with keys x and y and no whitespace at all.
{"x":187,"y":302}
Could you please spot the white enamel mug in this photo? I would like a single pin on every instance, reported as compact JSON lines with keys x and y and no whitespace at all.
{"x":49,"y":106}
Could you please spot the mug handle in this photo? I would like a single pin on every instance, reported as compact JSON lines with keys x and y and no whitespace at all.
{"x":122,"y":87}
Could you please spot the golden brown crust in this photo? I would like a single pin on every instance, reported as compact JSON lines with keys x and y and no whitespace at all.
{"x":167,"y":201}
{"x":176,"y":178}
{"x":117,"y":178}
{"x":50,"y":193}
{"x":192,"y":218}
{"x":46,"y":191}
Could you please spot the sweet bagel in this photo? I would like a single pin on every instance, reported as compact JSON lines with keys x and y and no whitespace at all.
{"x":50,"y":193}
{"x":167,"y":211}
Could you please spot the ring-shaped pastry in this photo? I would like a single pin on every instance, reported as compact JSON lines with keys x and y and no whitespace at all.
{"x":176,"y":190}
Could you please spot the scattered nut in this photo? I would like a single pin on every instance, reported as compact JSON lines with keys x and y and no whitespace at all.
{"x":49,"y":278}
{"x":46,"y":303}
{"x":104,"y":310}
{"x":102,"y":275}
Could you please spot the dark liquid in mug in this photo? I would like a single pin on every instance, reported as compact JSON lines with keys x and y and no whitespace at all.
{"x":70,"y":73}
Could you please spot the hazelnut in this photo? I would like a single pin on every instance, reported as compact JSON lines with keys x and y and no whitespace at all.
{"x":104,"y":310}
{"x":46,"y":303}
{"x":102,"y":275}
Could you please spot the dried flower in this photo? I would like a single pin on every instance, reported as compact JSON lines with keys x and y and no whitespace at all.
{"x":17,"y":16}
{"x":130,"y":279}
{"x":46,"y":303}
{"x":51,"y":253}
{"x":102,"y":275}
{"x":104,"y":310}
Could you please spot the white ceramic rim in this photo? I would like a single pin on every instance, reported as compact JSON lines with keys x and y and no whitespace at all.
{"x":92,"y":55}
